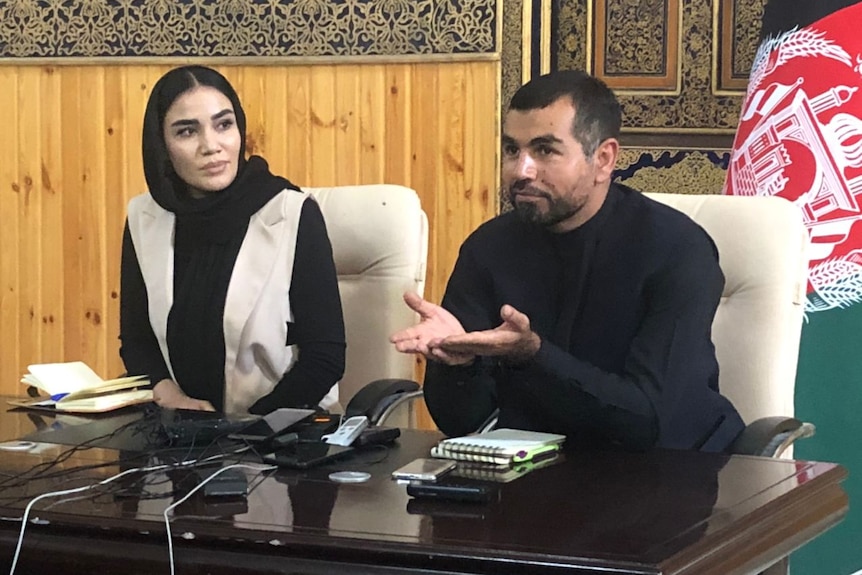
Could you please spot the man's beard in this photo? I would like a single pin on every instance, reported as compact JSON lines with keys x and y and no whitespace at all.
{"x":558,"y":210}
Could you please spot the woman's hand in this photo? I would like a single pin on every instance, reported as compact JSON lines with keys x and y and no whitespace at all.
{"x":168,"y":394}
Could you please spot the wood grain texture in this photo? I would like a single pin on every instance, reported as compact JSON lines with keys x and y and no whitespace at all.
{"x":70,"y":160}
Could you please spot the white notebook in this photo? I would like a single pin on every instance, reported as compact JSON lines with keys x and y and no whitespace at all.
{"x":74,"y":387}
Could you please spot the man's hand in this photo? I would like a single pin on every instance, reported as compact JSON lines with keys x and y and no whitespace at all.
{"x":435,"y":324}
{"x":168,"y":394}
{"x":512,"y":340}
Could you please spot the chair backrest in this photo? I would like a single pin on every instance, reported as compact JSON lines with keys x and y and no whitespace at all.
{"x":379,"y":236}
{"x":762,"y":245}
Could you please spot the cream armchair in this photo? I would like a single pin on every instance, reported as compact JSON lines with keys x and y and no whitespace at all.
{"x":762,"y":245}
{"x":379,"y":237}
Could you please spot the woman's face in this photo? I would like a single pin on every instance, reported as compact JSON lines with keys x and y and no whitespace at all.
{"x":203,"y":140}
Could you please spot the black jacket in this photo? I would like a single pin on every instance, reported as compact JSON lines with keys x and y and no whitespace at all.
{"x":624,"y":306}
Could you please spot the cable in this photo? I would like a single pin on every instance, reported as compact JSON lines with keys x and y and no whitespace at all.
{"x":40,"y":470}
{"x":148,"y":469}
{"x":171,"y":507}
{"x":43,"y":471}
{"x":26,"y":515}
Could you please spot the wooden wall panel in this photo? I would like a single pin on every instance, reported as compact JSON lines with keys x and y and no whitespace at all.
{"x":9,"y":231}
{"x":70,"y":161}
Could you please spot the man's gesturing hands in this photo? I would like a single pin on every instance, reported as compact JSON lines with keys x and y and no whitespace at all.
{"x":439,"y":335}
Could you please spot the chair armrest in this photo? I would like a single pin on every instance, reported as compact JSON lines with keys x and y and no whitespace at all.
{"x":770,"y":436}
{"x":378,"y":398}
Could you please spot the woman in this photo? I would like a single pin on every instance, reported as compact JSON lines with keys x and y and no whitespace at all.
{"x":229,"y":298}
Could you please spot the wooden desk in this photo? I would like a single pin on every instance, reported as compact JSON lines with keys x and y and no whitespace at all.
{"x":661,"y":512}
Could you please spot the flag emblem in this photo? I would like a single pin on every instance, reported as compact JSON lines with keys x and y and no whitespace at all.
{"x":800,"y":137}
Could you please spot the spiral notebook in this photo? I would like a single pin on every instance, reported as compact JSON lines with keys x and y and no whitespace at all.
{"x":499,"y":446}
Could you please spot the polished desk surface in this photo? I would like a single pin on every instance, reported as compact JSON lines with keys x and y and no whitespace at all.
{"x":657,"y":512}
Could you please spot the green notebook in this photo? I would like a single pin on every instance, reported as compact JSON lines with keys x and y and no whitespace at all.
{"x":503,"y":472}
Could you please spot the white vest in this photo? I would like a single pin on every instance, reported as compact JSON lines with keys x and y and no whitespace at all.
{"x":257,"y":307}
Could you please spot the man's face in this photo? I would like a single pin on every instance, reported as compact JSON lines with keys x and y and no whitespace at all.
{"x":548,"y":178}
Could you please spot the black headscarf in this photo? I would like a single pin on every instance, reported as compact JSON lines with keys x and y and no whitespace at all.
{"x":208,"y":234}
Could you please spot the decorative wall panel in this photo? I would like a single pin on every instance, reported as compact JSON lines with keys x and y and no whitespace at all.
{"x":738,"y":24}
{"x":676,"y":171}
{"x":636,"y":44}
{"x":632,"y":40}
{"x":512,"y":49}
{"x":674,"y":141}
{"x":51,"y":29}
{"x":569,"y":35}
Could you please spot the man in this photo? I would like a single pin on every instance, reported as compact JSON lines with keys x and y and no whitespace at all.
{"x":587,"y":310}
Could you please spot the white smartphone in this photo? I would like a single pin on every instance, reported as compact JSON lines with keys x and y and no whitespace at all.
{"x":424,"y":469}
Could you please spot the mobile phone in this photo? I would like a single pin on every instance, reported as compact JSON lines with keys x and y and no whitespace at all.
{"x":447,"y":490}
{"x":272,"y":425}
{"x":424,"y":469}
{"x":306,"y":454}
{"x":228,"y":483}
{"x":376,"y":435}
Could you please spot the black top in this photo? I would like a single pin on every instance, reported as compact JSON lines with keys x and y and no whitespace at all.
{"x":624,"y":308}
{"x":318,"y":328}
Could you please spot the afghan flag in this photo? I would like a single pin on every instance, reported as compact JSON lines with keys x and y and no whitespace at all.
{"x":800,"y":137}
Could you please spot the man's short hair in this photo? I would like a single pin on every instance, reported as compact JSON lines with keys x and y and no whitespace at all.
{"x":597,"y":111}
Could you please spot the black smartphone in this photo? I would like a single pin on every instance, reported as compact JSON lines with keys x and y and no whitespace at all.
{"x":306,"y":454}
{"x":376,"y":435}
{"x":272,"y":425}
{"x":454,"y":489}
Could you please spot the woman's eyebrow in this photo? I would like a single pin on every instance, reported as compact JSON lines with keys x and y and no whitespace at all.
{"x":193,"y":122}
{"x":223,"y":113}
{"x":185,"y":123}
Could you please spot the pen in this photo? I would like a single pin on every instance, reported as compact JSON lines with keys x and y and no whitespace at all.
{"x":58,"y":396}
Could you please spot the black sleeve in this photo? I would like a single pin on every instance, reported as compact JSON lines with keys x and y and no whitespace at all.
{"x":318,"y":326}
{"x":139,"y":348}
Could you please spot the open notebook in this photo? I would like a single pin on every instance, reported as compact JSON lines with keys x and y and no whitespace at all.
{"x":73,"y":387}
